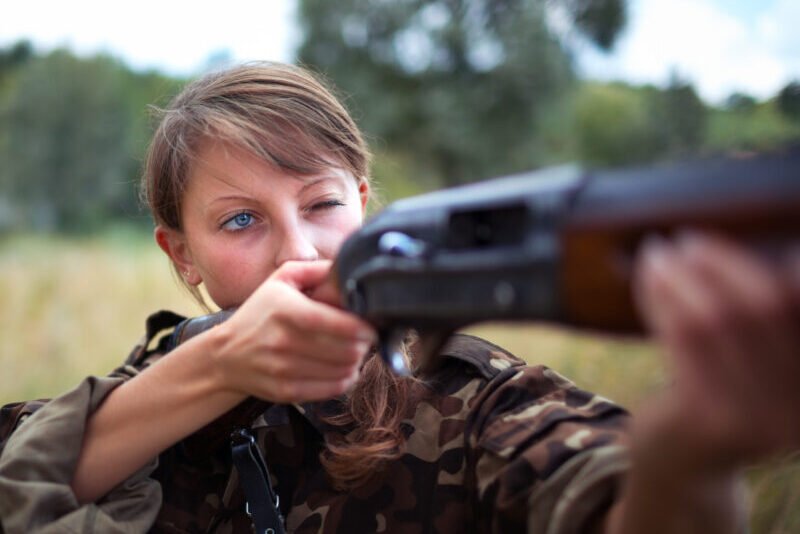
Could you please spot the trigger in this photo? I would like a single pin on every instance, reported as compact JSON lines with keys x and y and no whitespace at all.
{"x":390,"y":344}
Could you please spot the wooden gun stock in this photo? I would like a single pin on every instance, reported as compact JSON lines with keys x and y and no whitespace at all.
{"x":755,"y":201}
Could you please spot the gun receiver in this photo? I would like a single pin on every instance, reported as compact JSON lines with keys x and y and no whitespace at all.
{"x":555,"y":245}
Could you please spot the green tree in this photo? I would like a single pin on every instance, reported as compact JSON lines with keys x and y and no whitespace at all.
{"x":72,"y":135}
{"x":682,"y":115}
{"x":14,"y":56}
{"x":789,"y":100}
{"x":65,"y":154}
{"x":456,"y":84}
{"x":614,"y":125}
{"x":740,"y":103}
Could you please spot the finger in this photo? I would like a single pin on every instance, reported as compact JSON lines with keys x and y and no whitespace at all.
{"x":738,"y":271}
{"x":327,"y":292}
{"x":764,"y":315}
{"x":319,"y":347}
{"x":296,"y":365}
{"x":316,"y":317}
{"x":738,"y":362}
{"x":679,"y":311}
{"x":755,"y":295}
{"x":712,"y":386}
{"x":288,"y":391}
{"x":665,"y":288}
{"x":756,"y":331}
{"x":303,"y":275}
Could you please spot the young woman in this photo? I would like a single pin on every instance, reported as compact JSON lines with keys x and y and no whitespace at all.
{"x":255,"y":176}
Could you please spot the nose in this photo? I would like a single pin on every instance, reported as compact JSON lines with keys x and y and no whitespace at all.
{"x":296,"y":245}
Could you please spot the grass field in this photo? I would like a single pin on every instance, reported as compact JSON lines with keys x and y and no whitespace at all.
{"x":73,"y":307}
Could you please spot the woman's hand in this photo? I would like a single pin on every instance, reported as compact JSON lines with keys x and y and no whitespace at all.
{"x":729,"y":324}
{"x":282,"y":345}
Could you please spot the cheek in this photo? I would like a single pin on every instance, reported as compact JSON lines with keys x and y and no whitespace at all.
{"x":233,"y":271}
{"x":332,"y":234}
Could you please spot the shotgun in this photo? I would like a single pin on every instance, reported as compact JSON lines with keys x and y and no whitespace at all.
{"x":555,"y":245}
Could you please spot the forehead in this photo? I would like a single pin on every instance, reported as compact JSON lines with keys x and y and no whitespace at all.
{"x":220,"y":166}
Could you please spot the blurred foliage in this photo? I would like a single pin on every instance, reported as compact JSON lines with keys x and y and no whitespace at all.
{"x":74,"y":138}
{"x":740,"y":102}
{"x":14,"y":56}
{"x":789,"y":100}
{"x":601,"y":20}
{"x":72,"y":135}
{"x":682,"y":116}
{"x":396,"y":176}
{"x":758,"y":129}
{"x":447,"y":91}
{"x":616,"y":124}
{"x":460,"y":84}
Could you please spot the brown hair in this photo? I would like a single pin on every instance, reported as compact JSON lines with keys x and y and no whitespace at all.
{"x":291,"y":120}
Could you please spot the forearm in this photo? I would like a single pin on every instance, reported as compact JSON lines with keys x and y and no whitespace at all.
{"x":698,"y":506}
{"x":670,"y":490}
{"x":141,"y":418}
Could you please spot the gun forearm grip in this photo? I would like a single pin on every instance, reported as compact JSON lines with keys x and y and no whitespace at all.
{"x":754,"y":201}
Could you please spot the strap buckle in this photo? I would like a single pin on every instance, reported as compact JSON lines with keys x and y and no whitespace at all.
{"x":255,"y":481}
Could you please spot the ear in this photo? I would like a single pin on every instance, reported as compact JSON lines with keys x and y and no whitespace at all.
{"x":363,"y":192}
{"x":174,"y":245}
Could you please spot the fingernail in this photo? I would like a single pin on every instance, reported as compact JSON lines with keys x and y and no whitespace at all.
{"x":698,"y":248}
{"x":655,"y":251}
{"x":655,"y":243}
{"x":366,"y":336}
{"x":691,"y":241}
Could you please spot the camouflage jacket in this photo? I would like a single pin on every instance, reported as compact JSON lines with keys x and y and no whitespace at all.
{"x":492,"y":445}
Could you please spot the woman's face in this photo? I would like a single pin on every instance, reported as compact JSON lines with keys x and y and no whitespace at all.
{"x":242,"y":219}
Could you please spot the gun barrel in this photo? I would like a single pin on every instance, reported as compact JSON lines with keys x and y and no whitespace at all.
{"x":557,"y":246}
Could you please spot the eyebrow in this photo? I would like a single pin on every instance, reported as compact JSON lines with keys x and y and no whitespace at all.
{"x":317,"y":179}
{"x":307,"y":185}
{"x":230,"y":197}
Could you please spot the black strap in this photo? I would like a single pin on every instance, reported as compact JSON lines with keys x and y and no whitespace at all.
{"x":262,"y":501}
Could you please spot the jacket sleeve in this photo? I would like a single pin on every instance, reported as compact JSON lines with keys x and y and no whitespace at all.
{"x":548,"y":456}
{"x":38,"y":463}
{"x":39,"y":457}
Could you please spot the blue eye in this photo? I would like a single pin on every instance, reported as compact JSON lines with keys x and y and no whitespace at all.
{"x":240,"y":221}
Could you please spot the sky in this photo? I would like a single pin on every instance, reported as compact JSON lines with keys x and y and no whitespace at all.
{"x":750,"y":46}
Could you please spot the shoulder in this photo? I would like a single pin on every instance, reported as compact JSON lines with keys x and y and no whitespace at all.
{"x":504,"y":381}
{"x":463,"y":370}
{"x":165,"y":330}
{"x":507,"y":402}
{"x":158,"y":339}
{"x":482,"y":356}
{"x":520,"y":410}
{"x":542,"y":450}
